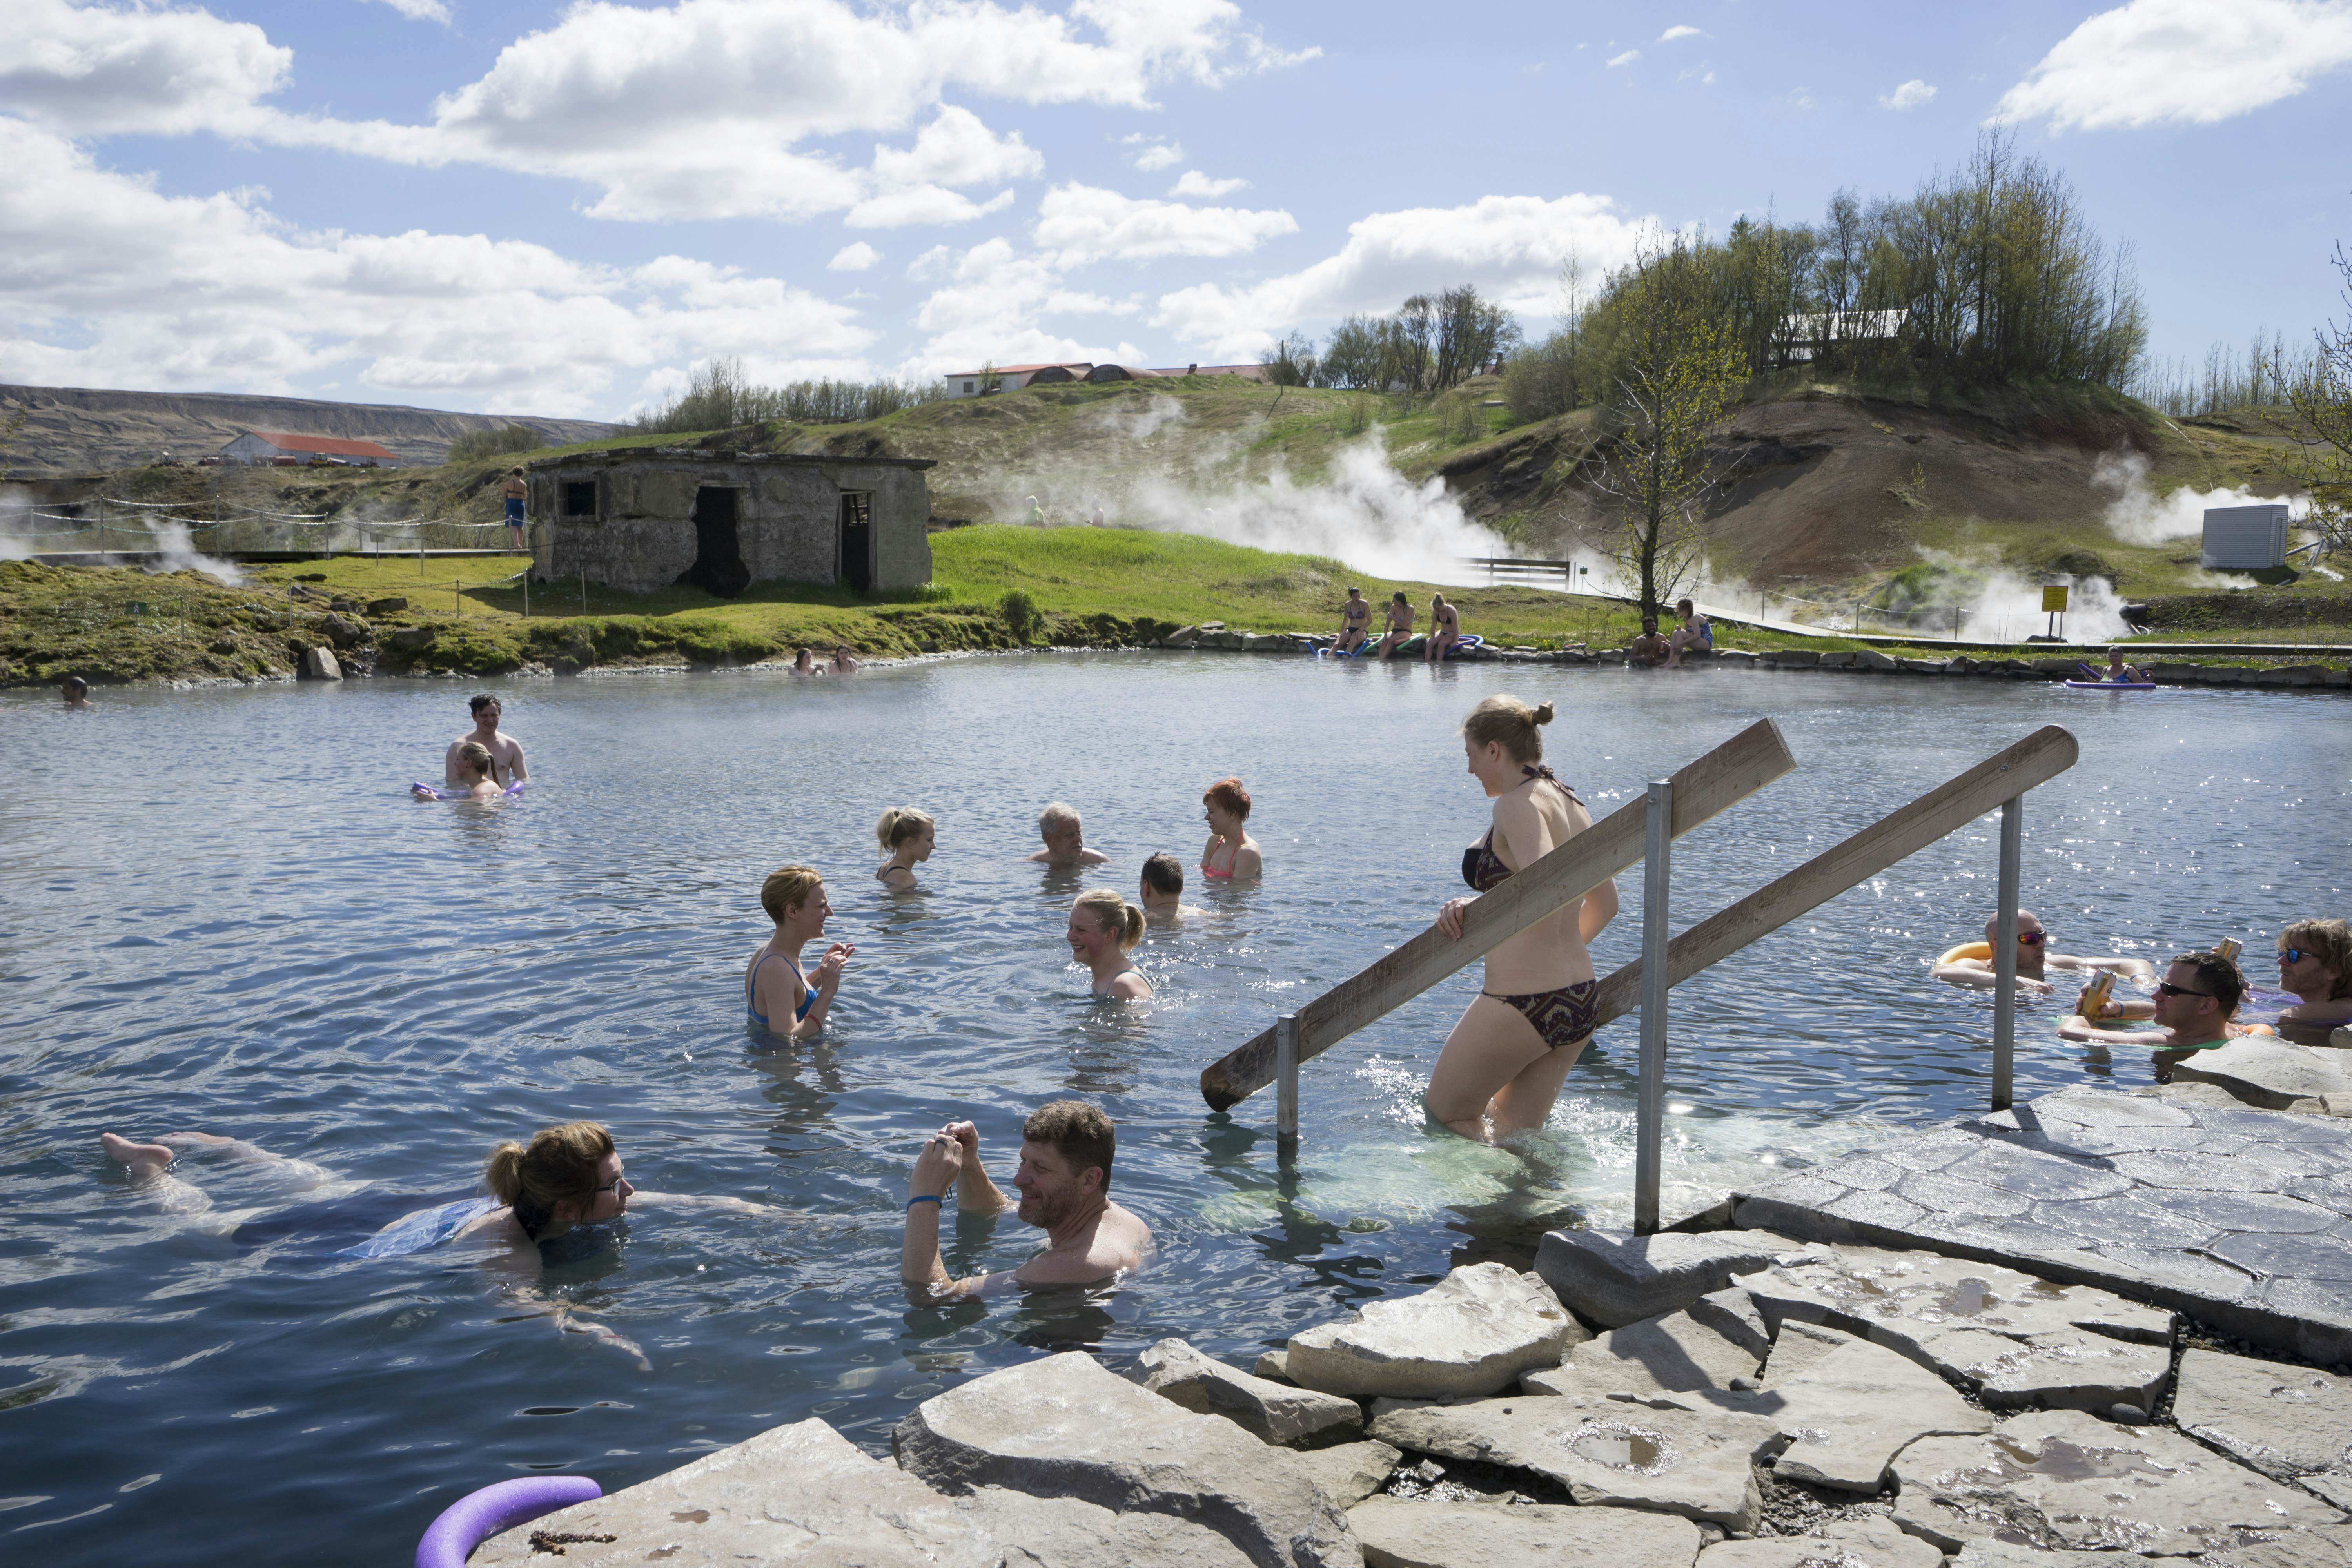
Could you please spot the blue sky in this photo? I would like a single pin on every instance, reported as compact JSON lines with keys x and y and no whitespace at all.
{"x":558,"y":209}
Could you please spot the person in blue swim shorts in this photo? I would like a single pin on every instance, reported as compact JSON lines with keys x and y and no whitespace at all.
{"x":517,"y":493}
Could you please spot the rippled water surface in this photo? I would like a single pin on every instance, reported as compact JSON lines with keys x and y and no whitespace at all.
{"x":221,"y":913}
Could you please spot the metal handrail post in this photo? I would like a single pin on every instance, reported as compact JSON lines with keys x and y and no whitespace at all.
{"x":2004,"y":949}
{"x":1285,"y":1083}
{"x":1649,"y":1135}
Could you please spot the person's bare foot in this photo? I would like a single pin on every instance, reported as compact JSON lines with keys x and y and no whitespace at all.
{"x":143,"y":1160}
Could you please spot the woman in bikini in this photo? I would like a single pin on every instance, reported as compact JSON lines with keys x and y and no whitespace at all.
{"x":908,"y":837}
{"x":1103,"y":928}
{"x":1503,"y":1065}
{"x":1400,"y":625}
{"x":1445,"y":628}
{"x":1231,"y":855}
{"x":780,"y":997}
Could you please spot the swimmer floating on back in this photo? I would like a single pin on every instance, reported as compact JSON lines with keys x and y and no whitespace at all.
{"x":781,"y":998}
{"x":1503,"y":1065}
{"x":1965,"y":965}
{"x":1103,"y":928}
{"x":1231,"y":855}
{"x":908,"y":837}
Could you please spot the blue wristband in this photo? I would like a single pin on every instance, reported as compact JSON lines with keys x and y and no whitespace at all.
{"x":925,"y":1199}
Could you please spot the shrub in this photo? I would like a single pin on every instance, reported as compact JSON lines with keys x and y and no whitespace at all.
{"x":475,"y":445}
{"x":1019,"y":613}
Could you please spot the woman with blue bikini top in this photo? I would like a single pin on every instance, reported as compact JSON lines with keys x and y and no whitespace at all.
{"x":780,"y":997}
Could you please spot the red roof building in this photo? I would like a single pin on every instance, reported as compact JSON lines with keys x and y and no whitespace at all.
{"x":270,"y":446}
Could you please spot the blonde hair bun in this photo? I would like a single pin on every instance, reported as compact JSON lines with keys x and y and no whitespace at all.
{"x":1542,"y":715}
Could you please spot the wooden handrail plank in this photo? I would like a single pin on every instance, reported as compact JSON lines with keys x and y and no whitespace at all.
{"x":1714,"y":783}
{"x":2037,"y":759}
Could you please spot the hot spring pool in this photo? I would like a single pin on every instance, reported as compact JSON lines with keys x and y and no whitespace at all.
{"x":222,"y":912}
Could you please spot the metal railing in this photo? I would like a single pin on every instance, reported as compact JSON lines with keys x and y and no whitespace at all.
{"x":1670,"y":808}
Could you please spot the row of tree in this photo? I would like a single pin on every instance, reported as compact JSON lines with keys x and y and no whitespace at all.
{"x":720,"y":396}
{"x":1427,"y":344}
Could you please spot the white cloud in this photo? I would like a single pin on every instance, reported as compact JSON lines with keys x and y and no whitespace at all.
{"x":1512,"y":247}
{"x":112,"y":284}
{"x":1627,"y":59}
{"x":922,"y":204}
{"x":422,"y":10}
{"x":1152,"y":159}
{"x":2188,"y":60}
{"x":104,"y":72}
{"x":1199,"y":186}
{"x":1086,"y":223}
{"x":990,"y":310}
{"x":1910,"y":95}
{"x":854,"y":257}
{"x":1680,"y":30}
{"x":956,"y":149}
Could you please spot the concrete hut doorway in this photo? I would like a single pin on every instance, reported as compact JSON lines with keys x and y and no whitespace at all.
{"x":858,"y":539}
{"x":717,"y":553}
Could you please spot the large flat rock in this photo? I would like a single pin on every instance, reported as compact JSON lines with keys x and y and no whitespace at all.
{"x":1063,"y":1532}
{"x":1064,"y":1428}
{"x":1473,"y":1332}
{"x":801,"y":1493}
{"x":2238,"y":1217}
{"x":1349,"y":1472}
{"x":2059,"y":1479}
{"x":2292,"y":1423}
{"x":1848,"y":1411}
{"x":2270,"y":1073}
{"x":1696,"y":1462}
{"x":1615,"y":1278}
{"x":1657,"y":1356}
{"x":1272,"y":1412}
{"x":1418,"y":1534}
{"x":1847,"y":1544}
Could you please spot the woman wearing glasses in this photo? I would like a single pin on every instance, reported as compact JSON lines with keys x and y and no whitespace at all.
{"x":2314,"y":962}
{"x":1970,"y":964}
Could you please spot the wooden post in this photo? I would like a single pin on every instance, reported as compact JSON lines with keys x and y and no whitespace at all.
{"x":1649,"y":1124}
{"x":1285,"y":1082}
{"x":2004,"y":950}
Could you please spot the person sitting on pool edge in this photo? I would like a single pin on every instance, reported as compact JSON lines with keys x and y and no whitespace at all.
{"x":1064,"y":1180}
{"x":1225,"y":805}
{"x":1399,"y":630}
{"x":1066,"y":838}
{"x":1444,"y":629}
{"x":1649,"y":650}
{"x":2315,"y":960}
{"x":1695,"y":631}
{"x":785,"y":1001}
{"x":1355,"y":622}
{"x":1964,"y":966}
{"x":908,"y":837}
{"x":1163,"y":891}
{"x":1103,"y":928}
{"x":2194,"y":1003}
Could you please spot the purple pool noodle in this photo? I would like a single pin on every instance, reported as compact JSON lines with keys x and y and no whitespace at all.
{"x":476,"y":1517}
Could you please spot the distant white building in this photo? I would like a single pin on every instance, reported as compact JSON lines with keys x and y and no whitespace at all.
{"x":280,"y":446}
{"x":1010,"y":377}
{"x":2245,"y":538}
{"x":1806,"y":335}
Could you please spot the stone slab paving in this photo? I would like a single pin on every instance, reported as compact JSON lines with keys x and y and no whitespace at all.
{"x":1858,"y":1543}
{"x":1657,"y":1356}
{"x":2292,"y":1423}
{"x":2238,"y":1217}
{"x":1488,"y":1535}
{"x":1272,"y":1412}
{"x":1473,"y":1332}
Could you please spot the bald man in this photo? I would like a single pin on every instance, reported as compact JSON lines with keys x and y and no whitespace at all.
{"x":2033,"y":956}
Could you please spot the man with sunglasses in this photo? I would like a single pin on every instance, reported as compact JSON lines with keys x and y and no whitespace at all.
{"x":2033,"y":955}
{"x":2194,"y":1003}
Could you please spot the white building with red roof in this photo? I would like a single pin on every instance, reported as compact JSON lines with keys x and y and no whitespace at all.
{"x":282,"y":446}
{"x":1008,"y":377}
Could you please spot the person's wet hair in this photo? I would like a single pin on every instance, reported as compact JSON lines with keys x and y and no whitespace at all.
{"x":1227,"y":795}
{"x":2328,"y":941}
{"x":1077,"y":1132}
{"x":787,"y":886}
{"x":2217,"y":976}
{"x":900,"y":824}
{"x":478,"y":703}
{"x":477,"y":756}
{"x":1058,"y":814}
{"x":74,"y":685}
{"x":1398,"y":597}
{"x":1112,"y":913}
{"x":1164,"y":873}
{"x":1512,"y":724}
{"x":559,"y":1164}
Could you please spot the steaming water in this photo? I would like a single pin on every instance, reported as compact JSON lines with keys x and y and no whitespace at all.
{"x":223,"y":914}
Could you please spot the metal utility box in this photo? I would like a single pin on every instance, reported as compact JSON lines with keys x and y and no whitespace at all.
{"x":2245,"y":538}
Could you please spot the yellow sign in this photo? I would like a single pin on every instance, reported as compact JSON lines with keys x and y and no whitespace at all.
{"x":2053,"y":601}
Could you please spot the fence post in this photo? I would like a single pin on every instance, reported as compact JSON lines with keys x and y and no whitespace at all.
{"x":1285,"y":1084}
{"x":1649,"y":1133}
{"x":2004,"y":949}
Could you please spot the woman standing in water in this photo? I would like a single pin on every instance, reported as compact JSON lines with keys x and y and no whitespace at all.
{"x":781,"y":998}
{"x":1231,"y":855}
{"x":1103,"y":928}
{"x":1503,"y":1065}
{"x":908,"y":837}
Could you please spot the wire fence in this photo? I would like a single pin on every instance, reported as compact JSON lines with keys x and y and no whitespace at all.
{"x":135,"y":526}
{"x":171,"y":613}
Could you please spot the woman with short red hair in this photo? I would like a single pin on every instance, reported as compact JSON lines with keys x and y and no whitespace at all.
{"x":1231,"y":855}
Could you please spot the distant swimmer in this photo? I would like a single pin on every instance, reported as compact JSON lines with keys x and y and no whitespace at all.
{"x":844,"y":661}
{"x":2195,"y":1003}
{"x":1064,"y":1180}
{"x":1355,"y":622}
{"x":805,"y":663}
{"x":1970,"y":964}
{"x":1400,"y":624}
{"x":517,"y":494}
{"x":1503,"y":1065}
{"x":1163,"y":891}
{"x":472,"y":779}
{"x":1066,"y":838}
{"x":781,"y":998}
{"x":505,"y":753}
{"x":908,"y":837}
{"x":2314,"y":962}
{"x":1649,"y":648}
{"x":2119,"y":673}
{"x":74,"y":690}
{"x":1103,"y":928}
{"x":1445,"y":628}
{"x":1695,"y":632}
{"x":1231,"y":855}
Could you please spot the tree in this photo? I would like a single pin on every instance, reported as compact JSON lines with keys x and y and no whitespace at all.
{"x":1471,"y":332}
{"x":1291,"y":361}
{"x":1678,"y":367}
{"x":2322,"y":396}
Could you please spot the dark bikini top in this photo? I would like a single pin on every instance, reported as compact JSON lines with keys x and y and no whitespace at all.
{"x":1481,"y":866}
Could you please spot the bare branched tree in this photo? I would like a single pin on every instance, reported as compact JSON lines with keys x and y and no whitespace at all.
{"x":2322,"y":398}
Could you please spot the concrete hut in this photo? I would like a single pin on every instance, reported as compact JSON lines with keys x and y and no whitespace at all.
{"x":649,"y":518}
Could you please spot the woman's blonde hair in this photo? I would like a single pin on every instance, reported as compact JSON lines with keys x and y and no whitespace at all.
{"x":1511,"y":724}
{"x":900,"y":824}
{"x":477,"y":756}
{"x":1113,"y":914}
{"x":2328,"y":941}
{"x":787,"y":886}
{"x":559,"y":1164}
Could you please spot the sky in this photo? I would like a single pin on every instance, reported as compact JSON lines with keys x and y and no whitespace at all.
{"x":559,"y":209}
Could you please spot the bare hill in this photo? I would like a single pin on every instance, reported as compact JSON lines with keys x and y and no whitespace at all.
{"x":75,"y":429}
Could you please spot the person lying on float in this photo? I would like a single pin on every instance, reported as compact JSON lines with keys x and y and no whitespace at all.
{"x":1970,"y":964}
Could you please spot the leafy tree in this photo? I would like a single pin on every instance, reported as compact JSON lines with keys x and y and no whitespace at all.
{"x":2323,"y":397}
{"x":1291,"y":361}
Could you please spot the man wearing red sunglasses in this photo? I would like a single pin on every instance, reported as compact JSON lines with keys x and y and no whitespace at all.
{"x":1963,"y":966}
{"x":2194,"y":1003}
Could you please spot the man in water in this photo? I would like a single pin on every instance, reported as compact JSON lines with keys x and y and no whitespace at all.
{"x":2194,"y":1003}
{"x":516,"y":493}
{"x":1649,"y":648}
{"x":1355,"y":620}
{"x":2033,"y":955}
{"x":1064,"y":1180}
{"x":75,"y":691}
{"x":1693,"y":633}
{"x":1065,"y":840}
{"x":506,"y":752}
{"x":1163,"y":891}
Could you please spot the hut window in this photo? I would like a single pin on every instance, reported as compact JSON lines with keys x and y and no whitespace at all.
{"x":579,"y":497}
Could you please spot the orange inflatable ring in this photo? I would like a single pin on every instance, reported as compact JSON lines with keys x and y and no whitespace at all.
{"x":1966,"y":949}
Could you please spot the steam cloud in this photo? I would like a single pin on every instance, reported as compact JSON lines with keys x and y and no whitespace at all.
{"x":2139,"y":516}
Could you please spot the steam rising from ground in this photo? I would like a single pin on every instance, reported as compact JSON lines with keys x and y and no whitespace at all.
{"x":2139,"y":516}
{"x":179,"y":555}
